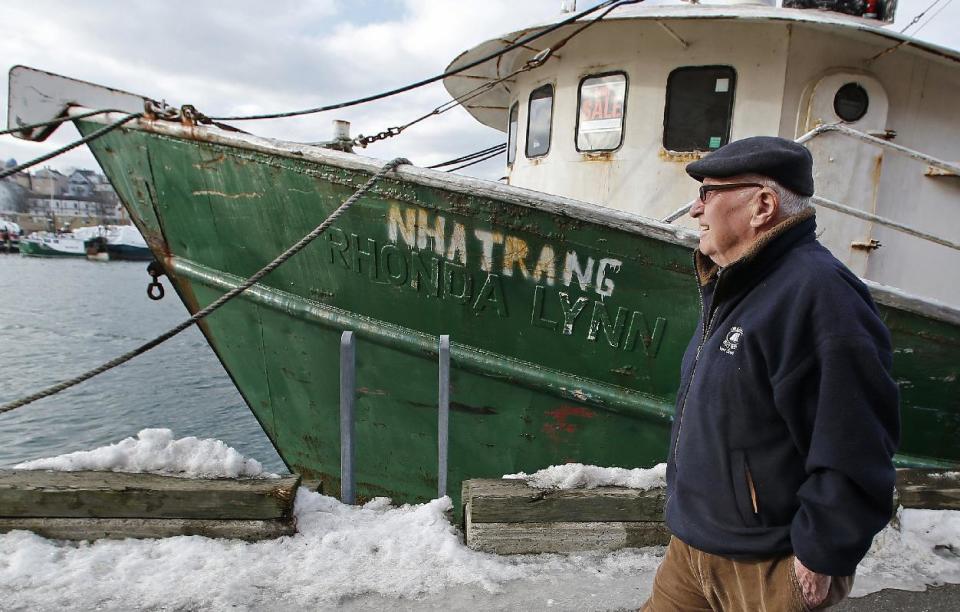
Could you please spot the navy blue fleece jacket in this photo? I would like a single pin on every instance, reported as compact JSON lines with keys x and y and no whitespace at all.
{"x":787,"y":417}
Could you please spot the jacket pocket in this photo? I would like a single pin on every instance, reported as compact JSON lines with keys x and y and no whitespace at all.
{"x":744,"y":489}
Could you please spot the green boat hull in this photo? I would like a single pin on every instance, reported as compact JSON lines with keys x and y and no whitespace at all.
{"x":567,"y":322}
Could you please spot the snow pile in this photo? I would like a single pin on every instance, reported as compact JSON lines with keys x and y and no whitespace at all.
{"x":379,"y":556}
{"x":953,"y":475}
{"x":372,"y":556}
{"x":156,"y":451}
{"x":579,"y":476}
{"x":918,"y":548}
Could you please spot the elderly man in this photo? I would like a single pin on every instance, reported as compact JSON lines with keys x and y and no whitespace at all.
{"x":780,"y":470}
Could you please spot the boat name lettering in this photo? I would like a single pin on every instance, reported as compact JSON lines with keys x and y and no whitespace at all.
{"x":429,"y":256}
{"x":500,"y":253}
{"x":620,"y":331}
{"x":420,"y":271}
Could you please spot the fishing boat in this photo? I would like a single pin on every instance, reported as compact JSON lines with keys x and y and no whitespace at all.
{"x":567,"y":292}
{"x":124,"y":243}
{"x":48,"y":244}
{"x":9,"y":237}
{"x":114,"y":243}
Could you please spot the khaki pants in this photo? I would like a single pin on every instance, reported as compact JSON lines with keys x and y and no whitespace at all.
{"x":689,"y":579}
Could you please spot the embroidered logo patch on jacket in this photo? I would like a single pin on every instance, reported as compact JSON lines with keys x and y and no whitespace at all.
{"x":732,"y":341}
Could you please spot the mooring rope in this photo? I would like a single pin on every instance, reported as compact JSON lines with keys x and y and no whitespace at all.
{"x":500,"y":148}
{"x":290,"y":252}
{"x":477,"y":161}
{"x":88,"y":138}
{"x":57,"y":121}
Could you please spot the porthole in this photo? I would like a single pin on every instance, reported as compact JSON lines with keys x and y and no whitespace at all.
{"x":851,"y":102}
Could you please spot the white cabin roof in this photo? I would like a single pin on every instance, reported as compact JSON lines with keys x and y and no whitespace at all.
{"x":490,"y":107}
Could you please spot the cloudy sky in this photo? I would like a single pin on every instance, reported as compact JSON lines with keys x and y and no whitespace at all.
{"x":249,"y":56}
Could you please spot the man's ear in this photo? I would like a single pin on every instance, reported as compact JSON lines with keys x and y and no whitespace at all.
{"x":767,"y":209}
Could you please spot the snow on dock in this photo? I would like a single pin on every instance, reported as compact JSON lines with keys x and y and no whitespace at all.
{"x":376,"y":556}
{"x":580,"y":476}
{"x":155,"y":451}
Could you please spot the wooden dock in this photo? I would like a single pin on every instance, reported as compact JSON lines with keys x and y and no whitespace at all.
{"x":94,"y":505}
{"x":510,"y":517}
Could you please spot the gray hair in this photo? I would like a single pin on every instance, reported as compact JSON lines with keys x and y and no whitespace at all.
{"x":791,"y":203}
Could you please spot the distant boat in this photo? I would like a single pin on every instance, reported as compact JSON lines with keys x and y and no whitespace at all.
{"x":114,"y":242}
{"x":9,"y":237}
{"x":45,"y":244}
{"x":124,"y":242}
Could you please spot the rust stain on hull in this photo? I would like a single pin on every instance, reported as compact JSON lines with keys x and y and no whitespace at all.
{"x":561,"y":423}
{"x":210,"y":163}
{"x":229,"y":196}
{"x":681,"y":156}
{"x":604,"y":156}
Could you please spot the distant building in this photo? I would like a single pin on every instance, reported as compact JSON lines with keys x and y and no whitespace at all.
{"x":80,"y":198}
{"x":82,"y":183}
{"x":14,"y":190}
{"x":13,"y":197}
{"x":48,"y":181}
{"x":20,"y":178}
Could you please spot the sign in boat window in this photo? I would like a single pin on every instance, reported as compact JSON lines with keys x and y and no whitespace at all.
{"x":512,"y":133}
{"x":699,"y":108}
{"x":539,"y":120}
{"x":600,"y":117}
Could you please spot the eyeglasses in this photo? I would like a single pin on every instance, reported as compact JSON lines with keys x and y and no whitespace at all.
{"x":706,"y":189}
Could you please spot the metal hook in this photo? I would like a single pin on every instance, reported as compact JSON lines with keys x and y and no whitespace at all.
{"x":155,"y":291}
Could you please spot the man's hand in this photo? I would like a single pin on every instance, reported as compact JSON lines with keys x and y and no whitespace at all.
{"x":813,"y":586}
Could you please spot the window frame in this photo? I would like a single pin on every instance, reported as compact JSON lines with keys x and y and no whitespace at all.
{"x":623,"y":118}
{"x":512,"y":142}
{"x":526,"y":143}
{"x":725,"y":139}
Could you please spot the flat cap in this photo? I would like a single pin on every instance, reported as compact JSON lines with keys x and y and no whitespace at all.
{"x":785,"y":161}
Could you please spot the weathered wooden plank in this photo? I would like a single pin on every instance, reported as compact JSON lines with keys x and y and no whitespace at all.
{"x":509,"y":517}
{"x":51,"y":494}
{"x":564,"y":537}
{"x":512,"y":501}
{"x":927,"y":488}
{"x":118,"y":528}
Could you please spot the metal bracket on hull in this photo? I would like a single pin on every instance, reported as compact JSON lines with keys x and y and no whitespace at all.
{"x":36,"y":96}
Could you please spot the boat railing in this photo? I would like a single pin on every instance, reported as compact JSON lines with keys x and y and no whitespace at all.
{"x":348,"y":394}
{"x":939,"y":164}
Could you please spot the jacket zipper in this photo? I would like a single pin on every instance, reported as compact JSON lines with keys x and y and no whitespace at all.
{"x":707,"y":327}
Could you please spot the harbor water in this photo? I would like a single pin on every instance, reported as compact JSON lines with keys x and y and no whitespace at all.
{"x":62,"y":317}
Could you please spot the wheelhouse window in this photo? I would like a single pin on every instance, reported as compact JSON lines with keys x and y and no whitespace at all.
{"x":539,"y":121}
{"x":699,"y":108}
{"x":512,"y":133}
{"x":601,"y":102}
